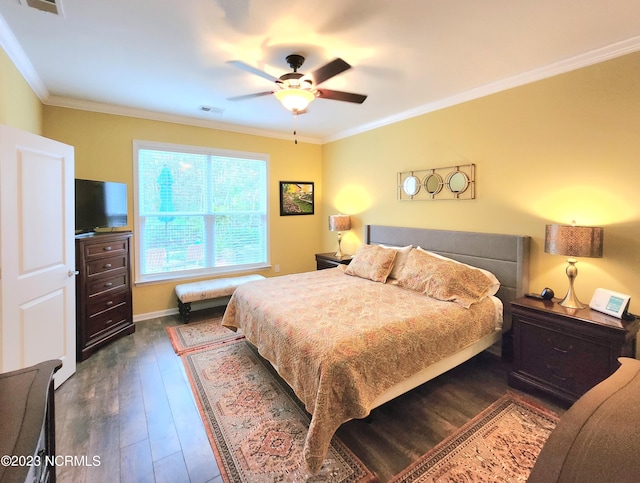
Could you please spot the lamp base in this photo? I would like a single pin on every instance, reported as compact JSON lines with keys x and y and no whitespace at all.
{"x":570,"y":300}
{"x":338,"y":254}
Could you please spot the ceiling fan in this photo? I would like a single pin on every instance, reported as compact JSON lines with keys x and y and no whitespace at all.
{"x":296,"y":90}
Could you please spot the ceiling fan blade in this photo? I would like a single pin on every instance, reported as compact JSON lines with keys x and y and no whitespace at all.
{"x":249,"y":96}
{"x":341,"y":96}
{"x":252,"y":70}
{"x":329,"y":70}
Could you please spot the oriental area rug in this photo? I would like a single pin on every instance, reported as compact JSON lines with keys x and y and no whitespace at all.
{"x":255,"y":424}
{"x":501,"y":444}
{"x":187,"y":337}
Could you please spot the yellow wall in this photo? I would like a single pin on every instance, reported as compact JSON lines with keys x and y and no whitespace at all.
{"x":104,"y":150}
{"x":549,"y":152}
{"x":19,"y":106}
{"x":562,"y":149}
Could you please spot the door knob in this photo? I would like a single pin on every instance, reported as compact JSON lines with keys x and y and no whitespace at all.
{"x":72,"y":273}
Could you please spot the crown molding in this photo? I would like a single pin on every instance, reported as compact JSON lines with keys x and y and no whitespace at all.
{"x":72,"y":103}
{"x":14,"y":51}
{"x":19,"y":58}
{"x":574,"y":63}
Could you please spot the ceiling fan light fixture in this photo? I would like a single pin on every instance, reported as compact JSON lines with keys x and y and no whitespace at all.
{"x":295,"y":99}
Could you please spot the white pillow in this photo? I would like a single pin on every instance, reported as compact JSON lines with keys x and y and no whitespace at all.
{"x":496,"y":283}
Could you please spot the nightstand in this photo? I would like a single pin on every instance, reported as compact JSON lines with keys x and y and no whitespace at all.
{"x":329,"y":260}
{"x":565,"y":352}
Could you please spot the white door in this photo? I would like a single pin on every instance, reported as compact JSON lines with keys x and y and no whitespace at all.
{"x":37,"y":297}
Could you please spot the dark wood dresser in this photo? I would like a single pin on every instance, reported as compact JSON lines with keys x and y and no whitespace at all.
{"x":565,"y":352}
{"x":27,"y":424}
{"x":329,"y":260}
{"x":103,"y":290}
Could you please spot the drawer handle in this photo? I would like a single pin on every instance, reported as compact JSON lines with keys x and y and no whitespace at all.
{"x":108,"y":284}
{"x":109,"y":322}
{"x":107,"y":265}
{"x":559,"y":349}
{"x":562,"y":378}
{"x":109,"y":303}
{"x":107,"y":249}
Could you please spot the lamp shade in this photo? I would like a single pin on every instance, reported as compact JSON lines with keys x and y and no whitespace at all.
{"x":574,"y":241}
{"x":295,"y":99}
{"x":339,"y":222}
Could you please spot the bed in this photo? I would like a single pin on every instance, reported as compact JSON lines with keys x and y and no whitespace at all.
{"x":347,"y":342}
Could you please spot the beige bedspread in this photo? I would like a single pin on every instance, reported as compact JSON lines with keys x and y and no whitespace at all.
{"x":340,"y":341}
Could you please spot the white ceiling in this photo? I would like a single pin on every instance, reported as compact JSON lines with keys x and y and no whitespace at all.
{"x":165,"y":59}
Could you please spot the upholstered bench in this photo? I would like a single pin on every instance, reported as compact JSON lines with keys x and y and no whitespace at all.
{"x":208,"y":289}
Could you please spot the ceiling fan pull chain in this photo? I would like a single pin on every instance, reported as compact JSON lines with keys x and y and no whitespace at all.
{"x":295,"y":128}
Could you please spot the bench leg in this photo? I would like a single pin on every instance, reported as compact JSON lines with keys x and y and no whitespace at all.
{"x":185,"y":310}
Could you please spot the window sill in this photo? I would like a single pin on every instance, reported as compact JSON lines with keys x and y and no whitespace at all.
{"x":168,"y":278}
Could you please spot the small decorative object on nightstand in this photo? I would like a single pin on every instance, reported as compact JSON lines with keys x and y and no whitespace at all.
{"x":565,"y":352}
{"x":329,"y":260}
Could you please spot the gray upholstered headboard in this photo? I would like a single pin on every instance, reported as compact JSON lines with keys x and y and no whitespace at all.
{"x":506,"y":256}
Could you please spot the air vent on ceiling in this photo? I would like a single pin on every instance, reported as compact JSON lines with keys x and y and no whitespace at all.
{"x":212,"y":110}
{"x":51,"y":6}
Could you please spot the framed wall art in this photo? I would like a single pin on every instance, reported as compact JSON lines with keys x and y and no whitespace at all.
{"x":296,"y":198}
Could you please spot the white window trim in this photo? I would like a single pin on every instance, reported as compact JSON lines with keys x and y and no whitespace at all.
{"x":140,"y":279}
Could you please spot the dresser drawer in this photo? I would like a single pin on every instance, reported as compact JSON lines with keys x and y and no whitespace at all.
{"x":567,"y":361}
{"x":100,"y":249}
{"x":106,"y":301}
{"x":105,"y":265}
{"x":108,"y":284}
{"x":324,"y":264}
{"x":101,"y":324}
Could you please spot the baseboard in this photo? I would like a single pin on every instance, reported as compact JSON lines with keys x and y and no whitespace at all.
{"x":207,"y":304}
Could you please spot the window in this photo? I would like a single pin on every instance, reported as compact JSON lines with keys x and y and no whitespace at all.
{"x":198,"y":211}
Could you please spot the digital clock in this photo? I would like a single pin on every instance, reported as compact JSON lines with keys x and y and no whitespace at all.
{"x":610,"y":302}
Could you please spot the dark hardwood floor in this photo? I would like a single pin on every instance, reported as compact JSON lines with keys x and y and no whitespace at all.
{"x":402,"y":430}
{"x":130,"y":405}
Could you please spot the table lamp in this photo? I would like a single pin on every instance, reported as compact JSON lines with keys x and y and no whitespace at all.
{"x":339,"y":223}
{"x":574,"y":241}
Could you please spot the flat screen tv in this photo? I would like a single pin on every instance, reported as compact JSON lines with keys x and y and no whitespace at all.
{"x":100,"y":204}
